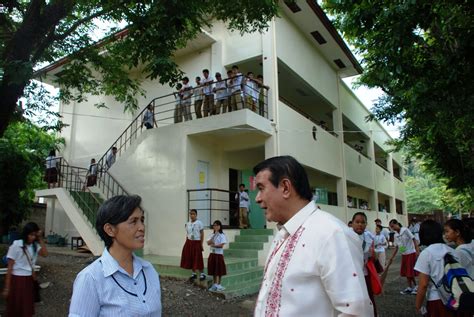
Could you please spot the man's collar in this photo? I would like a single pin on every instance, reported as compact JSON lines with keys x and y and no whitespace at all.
{"x":299,"y":218}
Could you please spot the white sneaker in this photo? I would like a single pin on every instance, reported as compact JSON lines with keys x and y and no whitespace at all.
{"x":406,"y":291}
{"x":414,"y":291}
{"x":219,"y":287}
{"x":213,"y":288}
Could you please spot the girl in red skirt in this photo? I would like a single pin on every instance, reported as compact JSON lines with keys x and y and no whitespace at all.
{"x":19,"y":282}
{"x":191,"y":257}
{"x":430,"y":266}
{"x":215,"y":263}
{"x":407,"y":244}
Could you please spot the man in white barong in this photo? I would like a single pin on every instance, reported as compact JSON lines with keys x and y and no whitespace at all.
{"x":314,"y":266}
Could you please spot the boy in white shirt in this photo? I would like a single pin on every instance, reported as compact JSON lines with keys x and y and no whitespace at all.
{"x":187,"y":93}
{"x":220,"y":89}
{"x":207,"y":82}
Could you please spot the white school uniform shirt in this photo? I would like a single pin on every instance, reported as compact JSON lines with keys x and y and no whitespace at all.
{"x":207,"y":89}
{"x":104,"y":288}
{"x":367,"y":240}
{"x":51,"y":161}
{"x":110,"y":159}
{"x":380,"y":243}
{"x":187,"y":93}
{"x":193,"y":230}
{"x":465,"y":254}
{"x":251,"y":89}
{"x":15,"y":252}
{"x":405,"y":239}
{"x":415,"y":230}
{"x":218,"y":238}
{"x":148,"y":117}
{"x":314,"y":268}
{"x":237,"y":83}
{"x":221,"y":90}
{"x":93,"y":169}
{"x":431,"y":262}
{"x":198,"y":93}
{"x":386,"y":233}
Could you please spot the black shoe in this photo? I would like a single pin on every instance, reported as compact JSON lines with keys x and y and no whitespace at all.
{"x":193,"y":278}
{"x":202,"y":277}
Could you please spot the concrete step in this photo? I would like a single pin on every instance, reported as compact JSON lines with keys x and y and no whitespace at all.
{"x":242,"y":289}
{"x":255,"y":232}
{"x":242,"y":277}
{"x":246,"y":245}
{"x":256,"y":238}
{"x":242,"y":253}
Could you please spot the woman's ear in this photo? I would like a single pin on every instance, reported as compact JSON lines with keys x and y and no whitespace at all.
{"x":109,"y":230}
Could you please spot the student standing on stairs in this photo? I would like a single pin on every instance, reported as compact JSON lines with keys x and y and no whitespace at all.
{"x":215,"y":263}
{"x":191,"y":257}
{"x":244,"y":203}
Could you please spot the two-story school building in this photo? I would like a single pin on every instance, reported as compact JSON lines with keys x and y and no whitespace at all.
{"x":309,"y":113}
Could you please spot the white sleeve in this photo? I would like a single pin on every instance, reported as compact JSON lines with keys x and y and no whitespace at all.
{"x":14,"y":252}
{"x":423,"y":263}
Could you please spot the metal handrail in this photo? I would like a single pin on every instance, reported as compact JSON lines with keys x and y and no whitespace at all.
{"x":135,"y":128}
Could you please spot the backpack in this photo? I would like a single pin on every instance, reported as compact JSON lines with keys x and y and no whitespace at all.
{"x":456,"y":287}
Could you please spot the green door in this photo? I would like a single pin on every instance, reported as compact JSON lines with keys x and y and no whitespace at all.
{"x":256,"y":215}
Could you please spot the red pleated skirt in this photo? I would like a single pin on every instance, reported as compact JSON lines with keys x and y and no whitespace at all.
{"x":191,"y":257}
{"x":216,"y":265}
{"x":20,"y":301}
{"x":408,"y":265}
{"x":436,"y":308}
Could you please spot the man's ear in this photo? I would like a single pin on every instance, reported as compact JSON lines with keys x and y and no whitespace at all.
{"x":286,"y":188}
{"x":109,"y":230}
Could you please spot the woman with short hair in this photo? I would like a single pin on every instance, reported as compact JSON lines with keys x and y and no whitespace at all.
{"x":118,"y":283}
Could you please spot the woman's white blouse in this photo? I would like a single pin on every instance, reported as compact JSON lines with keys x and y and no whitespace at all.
{"x":104,"y":288}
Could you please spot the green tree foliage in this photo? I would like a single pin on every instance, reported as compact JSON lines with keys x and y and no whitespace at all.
{"x":36,"y":32}
{"x":419,"y":52}
{"x":426,"y":193}
{"x":23,"y":149}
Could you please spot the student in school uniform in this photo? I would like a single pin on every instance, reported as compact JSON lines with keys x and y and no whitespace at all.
{"x":178,"y":111}
{"x":359,"y":225}
{"x":407,"y":244}
{"x":262,"y":88}
{"x":118,"y":283}
{"x":236,"y":89}
{"x":456,"y":231}
{"x":187,"y":94}
{"x":430,"y":266}
{"x":191,"y":256}
{"x":215,"y":263}
{"x":198,"y":97}
{"x":220,"y":89}
{"x":250,"y":92}
{"x":228,"y":81}
{"x":149,"y":118}
{"x":207,"y":83}
{"x":380,"y":243}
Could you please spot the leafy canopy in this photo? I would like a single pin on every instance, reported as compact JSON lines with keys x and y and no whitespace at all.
{"x":23,"y":149}
{"x":419,"y":52}
{"x":36,"y":32}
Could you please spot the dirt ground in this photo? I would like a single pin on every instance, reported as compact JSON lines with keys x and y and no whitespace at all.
{"x":180,"y":298}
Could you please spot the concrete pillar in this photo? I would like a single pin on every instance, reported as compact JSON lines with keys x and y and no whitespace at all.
{"x":339,"y":128}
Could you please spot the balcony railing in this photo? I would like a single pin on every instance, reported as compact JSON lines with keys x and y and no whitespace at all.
{"x":181,"y":106}
{"x":213,"y":203}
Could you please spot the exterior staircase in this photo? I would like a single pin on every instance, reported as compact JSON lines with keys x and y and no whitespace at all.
{"x":244,"y":276}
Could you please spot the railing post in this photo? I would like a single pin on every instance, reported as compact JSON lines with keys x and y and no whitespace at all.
{"x":210,"y":207}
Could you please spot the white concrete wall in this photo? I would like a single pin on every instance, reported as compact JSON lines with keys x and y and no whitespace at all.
{"x":297,"y":52}
{"x":296,"y":139}
{"x":383,"y":180}
{"x":57,"y":221}
{"x":359,"y":169}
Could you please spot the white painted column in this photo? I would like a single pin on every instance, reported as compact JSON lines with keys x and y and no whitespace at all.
{"x":270,"y":77}
{"x":339,"y":128}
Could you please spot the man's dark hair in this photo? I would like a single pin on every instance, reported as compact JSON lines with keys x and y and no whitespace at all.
{"x":205,"y":70}
{"x":235,"y":67}
{"x":114,"y":148}
{"x":198,"y":78}
{"x":242,"y":185}
{"x":185,"y":78}
{"x":395,"y":222}
{"x":431,"y":232}
{"x":114,"y":211}
{"x":282,"y":167}
{"x":194,"y":210}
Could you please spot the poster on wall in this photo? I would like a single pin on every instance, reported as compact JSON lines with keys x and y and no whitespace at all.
{"x":321,"y":196}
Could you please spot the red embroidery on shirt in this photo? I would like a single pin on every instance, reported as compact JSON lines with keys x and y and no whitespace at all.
{"x":274,"y":296}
